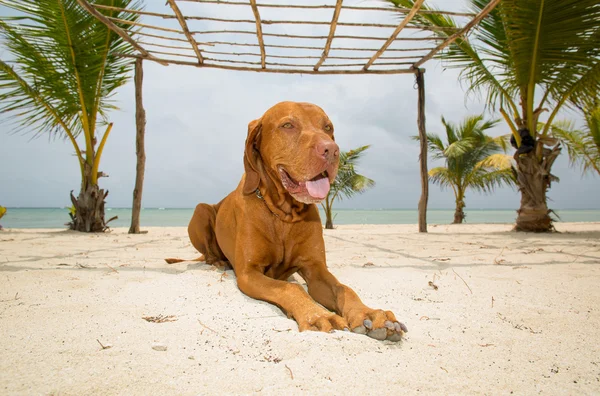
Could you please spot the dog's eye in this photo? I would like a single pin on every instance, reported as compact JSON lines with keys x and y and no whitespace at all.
{"x":287,"y":125}
{"x":328,"y":128}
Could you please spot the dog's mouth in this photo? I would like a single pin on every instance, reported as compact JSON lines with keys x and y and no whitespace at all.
{"x":310,"y":191}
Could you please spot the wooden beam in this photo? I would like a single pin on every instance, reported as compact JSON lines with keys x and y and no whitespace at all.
{"x":389,"y":41}
{"x":423,"y":152}
{"x":140,"y":151}
{"x":484,"y":12}
{"x":332,"y":27}
{"x":186,"y":31}
{"x":88,"y":7}
{"x":259,"y":34}
{"x":277,"y":71}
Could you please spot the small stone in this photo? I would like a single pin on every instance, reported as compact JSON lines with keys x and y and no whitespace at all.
{"x":159,"y":347}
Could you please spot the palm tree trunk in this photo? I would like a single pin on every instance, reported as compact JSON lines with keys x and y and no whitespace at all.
{"x":328,"y":216}
{"x":459,"y":214}
{"x":89,"y":207}
{"x":534,"y":179}
{"x":89,"y":210}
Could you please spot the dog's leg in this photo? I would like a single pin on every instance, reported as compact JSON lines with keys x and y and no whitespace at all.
{"x":292,"y":299}
{"x":333,"y":295}
{"x":202,"y":234}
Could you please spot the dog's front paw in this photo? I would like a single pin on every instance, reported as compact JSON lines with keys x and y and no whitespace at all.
{"x":376,"y":323}
{"x":321,"y":320}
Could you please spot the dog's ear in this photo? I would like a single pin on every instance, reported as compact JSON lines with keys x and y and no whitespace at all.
{"x":251,"y":156}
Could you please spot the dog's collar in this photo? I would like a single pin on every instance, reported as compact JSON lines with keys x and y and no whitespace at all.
{"x":260,"y":196}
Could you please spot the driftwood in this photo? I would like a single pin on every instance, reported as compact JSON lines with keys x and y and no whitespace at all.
{"x":423,"y":151}
{"x":140,"y":150}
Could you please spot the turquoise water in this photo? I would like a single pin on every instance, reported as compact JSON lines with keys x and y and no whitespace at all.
{"x":154,"y":217}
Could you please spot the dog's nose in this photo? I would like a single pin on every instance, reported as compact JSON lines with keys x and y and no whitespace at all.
{"x":328,"y":150}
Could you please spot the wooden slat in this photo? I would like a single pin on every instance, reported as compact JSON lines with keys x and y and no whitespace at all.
{"x":389,"y":41}
{"x":311,"y":37}
{"x":484,"y":12}
{"x":355,"y":8}
{"x":245,"y":62}
{"x":139,"y":12}
{"x":144,"y":25}
{"x":332,"y":27}
{"x":259,"y":34}
{"x":186,"y":31}
{"x":274,"y":22}
{"x":213,"y":43}
{"x":225,"y":31}
{"x":145,"y":34}
{"x":276,"y":71}
{"x":364,"y":58}
{"x":88,"y":7}
{"x":179,"y":47}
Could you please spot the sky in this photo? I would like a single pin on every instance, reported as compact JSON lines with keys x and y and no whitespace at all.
{"x":197,"y":124}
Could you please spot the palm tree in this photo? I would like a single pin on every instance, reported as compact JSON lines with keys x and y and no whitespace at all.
{"x":61,"y":72}
{"x":347,"y":182}
{"x":583,"y":145}
{"x":528,"y":57}
{"x":471,"y":159}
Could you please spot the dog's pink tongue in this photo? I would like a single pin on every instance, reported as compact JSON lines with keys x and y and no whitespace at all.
{"x":318,"y":188}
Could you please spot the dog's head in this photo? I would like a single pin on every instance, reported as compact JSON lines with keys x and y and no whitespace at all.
{"x":293,"y":144}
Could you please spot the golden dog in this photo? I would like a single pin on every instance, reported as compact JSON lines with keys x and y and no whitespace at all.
{"x":269,"y":227}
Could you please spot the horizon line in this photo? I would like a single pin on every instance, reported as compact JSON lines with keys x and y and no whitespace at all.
{"x":368,"y":209}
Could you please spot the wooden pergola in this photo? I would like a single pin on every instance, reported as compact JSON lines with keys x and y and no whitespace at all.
{"x":362,"y":46}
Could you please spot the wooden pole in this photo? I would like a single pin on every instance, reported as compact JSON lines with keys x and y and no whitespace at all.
{"x":140,"y":151}
{"x":423,"y":154}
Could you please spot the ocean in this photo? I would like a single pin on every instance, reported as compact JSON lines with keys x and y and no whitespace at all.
{"x":167,"y":217}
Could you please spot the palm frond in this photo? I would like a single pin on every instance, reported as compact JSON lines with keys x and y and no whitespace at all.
{"x":583,"y":146}
{"x":487,"y":181}
{"x":472,"y":160}
{"x":442,"y":176}
{"x":460,"y":147}
{"x":496,"y":161}
{"x":523,"y":47}
{"x":435,"y":144}
{"x":65,"y":56}
{"x":348,"y":182}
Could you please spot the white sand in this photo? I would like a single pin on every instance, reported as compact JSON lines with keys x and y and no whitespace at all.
{"x":526,"y":318}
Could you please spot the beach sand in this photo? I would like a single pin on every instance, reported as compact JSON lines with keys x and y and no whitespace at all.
{"x":489,"y":311}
